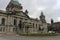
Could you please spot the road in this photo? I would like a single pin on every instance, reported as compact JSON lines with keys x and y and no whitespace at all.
{"x":14,"y":37}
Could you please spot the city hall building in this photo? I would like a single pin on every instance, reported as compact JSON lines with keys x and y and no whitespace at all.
{"x":14,"y":20}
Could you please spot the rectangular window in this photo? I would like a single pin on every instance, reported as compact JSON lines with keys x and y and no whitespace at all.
{"x":14,"y":29}
{"x":1,"y":29}
{"x":15,"y":22}
{"x":3,"y":21}
{"x":36,"y":25}
{"x":33,"y":25}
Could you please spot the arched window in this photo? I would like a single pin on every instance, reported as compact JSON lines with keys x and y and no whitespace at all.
{"x":15,"y":21}
{"x":3,"y":21}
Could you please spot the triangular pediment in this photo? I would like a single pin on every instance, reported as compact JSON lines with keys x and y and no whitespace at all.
{"x":22,"y":14}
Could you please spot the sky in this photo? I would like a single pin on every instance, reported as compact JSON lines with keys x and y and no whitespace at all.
{"x":50,"y":8}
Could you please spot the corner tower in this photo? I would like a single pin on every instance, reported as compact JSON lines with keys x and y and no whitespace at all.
{"x":14,"y":5}
{"x":42,"y":18}
{"x":44,"y":24}
{"x":52,"y":21}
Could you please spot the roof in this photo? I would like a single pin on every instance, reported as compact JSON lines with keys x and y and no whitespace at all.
{"x":56,"y":23}
{"x":15,"y":2}
{"x":34,"y":19}
{"x":2,"y":12}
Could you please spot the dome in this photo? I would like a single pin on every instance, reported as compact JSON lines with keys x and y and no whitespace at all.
{"x":15,"y":2}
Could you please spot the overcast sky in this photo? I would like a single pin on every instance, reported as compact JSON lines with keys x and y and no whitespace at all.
{"x":51,"y":8}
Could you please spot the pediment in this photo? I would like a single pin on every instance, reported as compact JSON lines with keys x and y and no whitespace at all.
{"x":22,"y":14}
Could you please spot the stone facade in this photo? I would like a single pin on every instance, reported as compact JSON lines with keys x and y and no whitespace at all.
{"x":14,"y":20}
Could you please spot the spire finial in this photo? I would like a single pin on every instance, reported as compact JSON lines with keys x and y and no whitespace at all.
{"x":15,"y":2}
{"x":26,"y":11}
{"x":41,"y":12}
{"x":52,"y":21}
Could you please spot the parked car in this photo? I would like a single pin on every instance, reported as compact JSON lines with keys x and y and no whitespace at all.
{"x":51,"y":32}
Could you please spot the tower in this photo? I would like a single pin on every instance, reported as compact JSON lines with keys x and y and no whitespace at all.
{"x":52,"y":21}
{"x":42,"y":18}
{"x":14,"y":5}
{"x":44,"y":24}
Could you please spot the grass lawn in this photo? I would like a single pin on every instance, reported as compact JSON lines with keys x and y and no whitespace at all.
{"x":39,"y":34}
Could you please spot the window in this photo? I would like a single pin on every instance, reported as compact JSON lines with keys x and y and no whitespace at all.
{"x":20,"y":24}
{"x":3,"y":29}
{"x":36,"y":25}
{"x":14,"y":29}
{"x":26,"y":19}
{"x":39,"y":27}
{"x":3,"y":21}
{"x":15,"y":22}
{"x":33,"y":25}
{"x":0,"y":28}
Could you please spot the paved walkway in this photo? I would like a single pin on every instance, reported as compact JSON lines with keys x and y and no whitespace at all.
{"x":13,"y":37}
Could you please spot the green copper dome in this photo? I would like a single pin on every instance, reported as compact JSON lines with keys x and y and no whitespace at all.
{"x":15,"y":2}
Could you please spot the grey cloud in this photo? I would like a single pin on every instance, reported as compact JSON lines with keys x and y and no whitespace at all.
{"x":3,"y":4}
{"x":34,"y":6}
